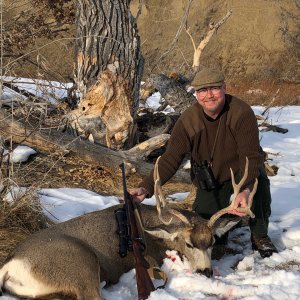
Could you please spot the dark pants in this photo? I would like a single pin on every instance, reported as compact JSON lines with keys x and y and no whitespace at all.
{"x":209,"y":202}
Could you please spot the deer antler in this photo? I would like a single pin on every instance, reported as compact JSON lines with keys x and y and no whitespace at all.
{"x":161,"y":200}
{"x":236,"y":190}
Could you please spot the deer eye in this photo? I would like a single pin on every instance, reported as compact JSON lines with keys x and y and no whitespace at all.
{"x":189,"y":245}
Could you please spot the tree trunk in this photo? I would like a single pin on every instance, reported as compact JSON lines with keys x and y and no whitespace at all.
{"x":109,"y":68}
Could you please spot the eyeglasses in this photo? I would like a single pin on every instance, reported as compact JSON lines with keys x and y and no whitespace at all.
{"x":214,"y":89}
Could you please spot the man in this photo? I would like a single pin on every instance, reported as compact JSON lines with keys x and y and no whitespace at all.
{"x":219,"y":131}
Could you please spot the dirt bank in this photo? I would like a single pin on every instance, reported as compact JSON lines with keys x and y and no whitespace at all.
{"x":257,"y":48}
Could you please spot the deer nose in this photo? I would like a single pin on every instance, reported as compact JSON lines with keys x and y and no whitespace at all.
{"x":207,"y":272}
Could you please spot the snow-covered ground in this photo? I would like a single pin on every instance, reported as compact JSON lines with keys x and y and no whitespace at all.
{"x":242,"y":276}
{"x":50,"y":90}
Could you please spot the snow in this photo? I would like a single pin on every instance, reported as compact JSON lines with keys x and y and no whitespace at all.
{"x":241,"y":276}
{"x":67,"y":203}
{"x":20,"y":154}
{"x":50,"y":90}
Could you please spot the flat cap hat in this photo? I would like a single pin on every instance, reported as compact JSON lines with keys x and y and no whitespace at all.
{"x":208,"y":77}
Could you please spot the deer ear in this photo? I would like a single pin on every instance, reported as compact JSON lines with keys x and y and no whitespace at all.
{"x":223,"y":225}
{"x":162,"y":234}
{"x":188,"y":241}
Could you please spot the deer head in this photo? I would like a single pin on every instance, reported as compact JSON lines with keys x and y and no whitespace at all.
{"x":191,"y":235}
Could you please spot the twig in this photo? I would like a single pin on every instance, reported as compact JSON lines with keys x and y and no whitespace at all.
{"x":190,"y":35}
{"x":58,"y":40}
{"x":271,"y":102}
{"x":272,"y":153}
{"x":182,"y":25}
{"x":274,"y":128}
{"x":139,"y":10}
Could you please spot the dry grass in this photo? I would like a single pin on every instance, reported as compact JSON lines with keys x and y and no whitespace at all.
{"x":18,"y":219}
{"x":290,"y":265}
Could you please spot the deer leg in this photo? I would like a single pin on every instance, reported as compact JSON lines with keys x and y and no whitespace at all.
{"x":89,"y":295}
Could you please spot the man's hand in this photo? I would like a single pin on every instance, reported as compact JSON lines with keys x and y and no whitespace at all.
{"x":241,"y":200}
{"x":138,"y":194}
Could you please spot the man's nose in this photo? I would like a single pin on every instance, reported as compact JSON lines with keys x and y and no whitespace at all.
{"x":210,"y":93}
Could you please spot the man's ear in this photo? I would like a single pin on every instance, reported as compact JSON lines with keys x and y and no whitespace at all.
{"x":224,"y":87}
{"x":223,"y":225}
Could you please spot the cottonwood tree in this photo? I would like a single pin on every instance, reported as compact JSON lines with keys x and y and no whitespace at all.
{"x":108,"y":72}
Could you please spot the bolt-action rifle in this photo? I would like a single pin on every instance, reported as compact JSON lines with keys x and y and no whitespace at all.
{"x":136,"y":244}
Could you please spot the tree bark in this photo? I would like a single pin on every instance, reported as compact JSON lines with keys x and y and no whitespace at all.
{"x":109,"y":68}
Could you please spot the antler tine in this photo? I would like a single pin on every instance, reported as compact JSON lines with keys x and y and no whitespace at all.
{"x":216,"y":216}
{"x":161,"y":200}
{"x":251,"y":196}
{"x":236,"y":188}
{"x":247,"y":209}
{"x":180,"y":216}
{"x":157,"y":186}
{"x":159,"y":196}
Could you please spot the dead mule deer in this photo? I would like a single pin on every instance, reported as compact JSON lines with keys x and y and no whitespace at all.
{"x":70,"y":258}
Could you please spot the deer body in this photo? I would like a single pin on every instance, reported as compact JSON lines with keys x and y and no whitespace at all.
{"x":71,"y":258}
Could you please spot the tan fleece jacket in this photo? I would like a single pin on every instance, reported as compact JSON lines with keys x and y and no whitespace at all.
{"x":194,"y":132}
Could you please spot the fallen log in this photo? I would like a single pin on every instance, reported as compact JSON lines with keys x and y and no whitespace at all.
{"x":152,"y":124}
{"x":144,"y":149}
{"x":47,"y":140}
{"x":269,"y":127}
{"x":172,"y":90}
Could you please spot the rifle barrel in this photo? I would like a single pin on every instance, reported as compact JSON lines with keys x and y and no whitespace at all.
{"x":144,"y":283}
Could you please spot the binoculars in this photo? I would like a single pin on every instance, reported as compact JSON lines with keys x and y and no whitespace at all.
{"x":204,"y":175}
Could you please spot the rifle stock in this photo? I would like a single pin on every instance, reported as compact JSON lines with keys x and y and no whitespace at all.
{"x":143,"y":280}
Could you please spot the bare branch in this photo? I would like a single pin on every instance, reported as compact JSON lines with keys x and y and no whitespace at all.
{"x":182,"y":25}
{"x":142,"y":150}
{"x":271,"y":102}
{"x":139,"y":10}
{"x":205,"y":41}
{"x":190,"y":35}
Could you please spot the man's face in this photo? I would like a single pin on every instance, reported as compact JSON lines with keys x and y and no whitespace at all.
{"x":212,"y":99}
